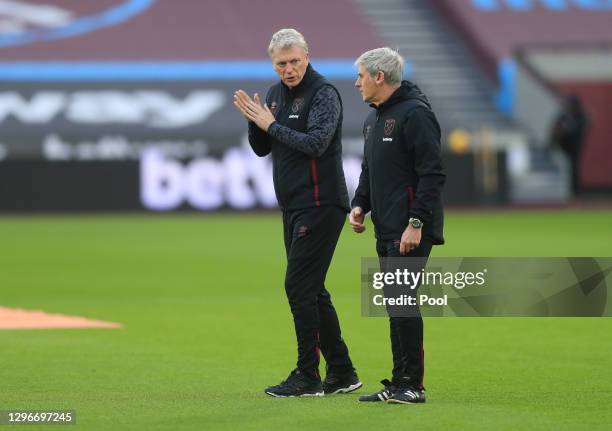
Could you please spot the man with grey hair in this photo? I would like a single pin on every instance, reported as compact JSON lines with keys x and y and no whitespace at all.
{"x":301,"y":126}
{"x":400,"y":183}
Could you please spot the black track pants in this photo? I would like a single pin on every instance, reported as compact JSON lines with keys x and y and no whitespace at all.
{"x":406,"y":332}
{"x":310,"y":240}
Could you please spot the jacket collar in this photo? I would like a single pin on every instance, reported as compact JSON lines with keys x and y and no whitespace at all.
{"x":406,"y":91}
{"x":309,"y":76}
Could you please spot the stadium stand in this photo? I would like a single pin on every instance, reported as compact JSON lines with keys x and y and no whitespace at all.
{"x":88,"y":83}
{"x":201,"y":30}
{"x":448,"y":73}
{"x":549,"y":48}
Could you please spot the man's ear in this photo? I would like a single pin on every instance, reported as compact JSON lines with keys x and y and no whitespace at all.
{"x":380,"y":77}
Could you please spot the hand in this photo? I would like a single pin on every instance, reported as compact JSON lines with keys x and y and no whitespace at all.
{"x":356,"y":217}
{"x":411,"y":238}
{"x":252,"y":110}
{"x":241,"y":100}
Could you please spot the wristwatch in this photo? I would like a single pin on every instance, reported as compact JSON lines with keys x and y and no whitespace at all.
{"x":415,"y":223}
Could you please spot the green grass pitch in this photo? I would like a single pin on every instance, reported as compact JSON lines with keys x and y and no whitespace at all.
{"x":207,"y":327}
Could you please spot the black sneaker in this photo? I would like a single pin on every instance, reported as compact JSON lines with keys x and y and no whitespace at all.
{"x":298,"y":384}
{"x":383,"y":395}
{"x":341,"y":383}
{"x":407,"y":395}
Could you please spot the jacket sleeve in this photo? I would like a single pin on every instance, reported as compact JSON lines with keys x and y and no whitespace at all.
{"x":422,"y":133}
{"x":259,"y":140}
{"x":323,"y":117}
{"x":362,"y":193}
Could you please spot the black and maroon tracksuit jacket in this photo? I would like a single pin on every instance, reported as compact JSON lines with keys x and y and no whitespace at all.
{"x":402,"y":174}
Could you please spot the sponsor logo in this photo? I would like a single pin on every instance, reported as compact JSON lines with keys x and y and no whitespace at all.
{"x":117,"y":147}
{"x":294,"y":116}
{"x":152,"y":108}
{"x":238,"y":180}
{"x":23,"y":22}
{"x":387,"y":139}
{"x":366,"y":132}
{"x":389,"y":126}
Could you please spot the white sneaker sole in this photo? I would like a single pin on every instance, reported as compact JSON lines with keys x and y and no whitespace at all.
{"x":315,"y":394}
{"x":348,"y":389}
{"x":393,"y":401}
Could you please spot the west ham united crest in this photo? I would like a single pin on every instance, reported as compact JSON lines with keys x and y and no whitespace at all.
{"x":389,"y":126}
{"x":297,"y":105}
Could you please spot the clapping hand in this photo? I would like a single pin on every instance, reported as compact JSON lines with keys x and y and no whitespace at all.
{"x":252,"y":109}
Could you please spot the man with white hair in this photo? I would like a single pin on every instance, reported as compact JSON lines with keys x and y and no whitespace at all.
{"x":301,"y":125}
{"x":400,"y":183}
